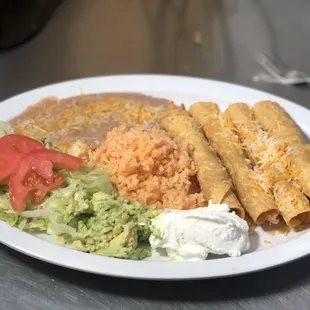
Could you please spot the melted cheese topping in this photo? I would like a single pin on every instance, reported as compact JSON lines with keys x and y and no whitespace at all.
{"x":270,"y":155}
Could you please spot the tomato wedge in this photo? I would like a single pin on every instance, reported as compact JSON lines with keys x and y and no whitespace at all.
{"x":34,"y":175}
{"x":13,"y":147}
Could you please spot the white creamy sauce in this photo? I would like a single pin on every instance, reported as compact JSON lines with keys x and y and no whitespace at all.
{"x":191,"y":235}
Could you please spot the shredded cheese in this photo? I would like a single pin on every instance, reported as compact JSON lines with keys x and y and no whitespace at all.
{"x":271,"y":156}
{"x":261,"y":179}
{"x":73,"y":118}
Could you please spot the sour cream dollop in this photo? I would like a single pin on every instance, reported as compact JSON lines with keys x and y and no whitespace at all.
{"x":190,"y":235}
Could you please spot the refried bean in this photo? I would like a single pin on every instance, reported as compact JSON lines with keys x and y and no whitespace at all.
{"x":87,"y":117}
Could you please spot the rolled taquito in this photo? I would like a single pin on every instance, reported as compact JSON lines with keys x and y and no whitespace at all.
{"x":212,"y":176}
{"x":260,"y":205}
{"x":276,"y":121}
{"x":269,"y":155}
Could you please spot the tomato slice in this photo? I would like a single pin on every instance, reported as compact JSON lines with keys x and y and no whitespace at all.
{"x":19,"y":144}
{"x":39,"y":187}
{"x":34,"y":175}
{"x":13,"y":147}
{"x":59,"y":159}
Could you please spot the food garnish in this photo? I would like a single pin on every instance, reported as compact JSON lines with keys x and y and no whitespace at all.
{"x":108,"y":173}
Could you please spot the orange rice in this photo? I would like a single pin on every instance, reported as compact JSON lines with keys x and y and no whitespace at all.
{"x":147,"y":165}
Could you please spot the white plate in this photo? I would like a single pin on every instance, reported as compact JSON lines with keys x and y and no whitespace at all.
{"x":282,"y":248}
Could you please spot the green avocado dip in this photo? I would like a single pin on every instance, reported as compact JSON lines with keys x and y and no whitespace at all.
{"x":113,"y":227}
{"x":87,"y":215}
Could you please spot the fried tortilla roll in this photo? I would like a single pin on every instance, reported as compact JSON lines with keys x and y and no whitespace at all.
{"x":300,"y":155}
{"x":212,"y":176}
{"x":269,"y":155}
{"x":270,"y":113}
{"x":275,"y":120}
{"x":260,"y":205}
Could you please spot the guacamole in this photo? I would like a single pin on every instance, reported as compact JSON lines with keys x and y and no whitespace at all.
{"x":109,"y":226}
{"x":87,"y":215}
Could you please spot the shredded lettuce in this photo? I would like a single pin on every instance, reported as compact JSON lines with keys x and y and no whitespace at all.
{"x":32,"y":225}
{"x":92,"y":181}
{"x":45,"y":141}
{"x":10,"y":218}
{"x":5,"y":129}
{"x":85,"y":214}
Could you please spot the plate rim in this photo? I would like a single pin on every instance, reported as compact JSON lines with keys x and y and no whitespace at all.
{"x":149,"y":270}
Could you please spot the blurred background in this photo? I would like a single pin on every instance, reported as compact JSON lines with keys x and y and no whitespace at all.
{"x":46,"y":41}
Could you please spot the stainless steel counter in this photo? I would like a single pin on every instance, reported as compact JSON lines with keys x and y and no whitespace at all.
{"x":207,"y":38}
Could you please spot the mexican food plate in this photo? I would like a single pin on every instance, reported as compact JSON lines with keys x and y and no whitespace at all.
{"x":155,"y":177}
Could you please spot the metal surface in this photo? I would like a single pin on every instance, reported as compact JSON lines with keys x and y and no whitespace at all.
{"x":206,"y":38}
